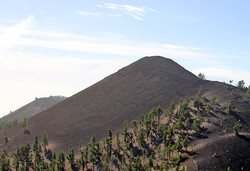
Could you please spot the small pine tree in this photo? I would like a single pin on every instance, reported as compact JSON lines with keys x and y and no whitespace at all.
{"x":230,"y":108}
{"x":241,"y":84}
{"x":60,"y":164}
{"x":185,"y":142}
{"x":187,"y":123}
{"x":150,"y":161}
{"x":248,"y":91}
{"x":6,"y":139}
{"x":4,"y":162}
{"x":25,"y":124}
{"x":237,"y":127}
{"x":201,"y":76}
{"x":178,"y":144}
{"x":45,"y":140}
{"x":207,"y":109}
{"x":213,"y":100}
{"x":133,"y":125}
{"x":36,"y":145}
{"x":71,"y":157}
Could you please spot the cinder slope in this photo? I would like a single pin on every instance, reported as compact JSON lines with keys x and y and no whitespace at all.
{"x":125,"y":95}
{"x":135,"y":90}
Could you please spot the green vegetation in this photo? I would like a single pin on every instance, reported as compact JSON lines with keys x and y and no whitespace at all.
{"x":9,"y":124}
{"x":237,"y":127}
{"x":201,"y":76}
{"x":154,"y":142}
{"x":230,"y":108}
{"x":241,"y":84}
{"x":25,"y":124}
{"x":248,"y":91}
{"x":45,"y":140}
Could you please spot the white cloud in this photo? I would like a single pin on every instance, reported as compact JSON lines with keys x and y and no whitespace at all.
{"x":9,"y":36}
{"x":136,"y":12}
{"x":86,"y":13}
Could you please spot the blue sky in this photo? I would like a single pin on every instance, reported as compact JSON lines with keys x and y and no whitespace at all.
{"x":61,"y":47}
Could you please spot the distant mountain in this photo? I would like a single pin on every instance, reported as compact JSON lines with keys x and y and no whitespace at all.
{"x":135,"y":90}
{"x":33,"y":108}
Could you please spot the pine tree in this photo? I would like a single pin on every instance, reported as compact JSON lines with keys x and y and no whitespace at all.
{"x":133,"y":125}
{"x":150,"y":161}
{"x":16,"y":159}
{"x":207,"y":109}
{"x":109,"y":142}
{"x":71,"y":157}
{"x":4,"y":162}
{"x":35,"y":145}
{"x":237,"y":127}
{"x":185,"y":142}
{"x":230,"y":108}
{"x":187,"y":123}
{"x":45,"y":140}
{"x":118,"y":143}
{"x":213,"y":100}
{"x":60,"y":164}
{"x":25,"y":124}
{"x":158,"y":113}
{"x":178,"y":144}
{"x":125,"y":131}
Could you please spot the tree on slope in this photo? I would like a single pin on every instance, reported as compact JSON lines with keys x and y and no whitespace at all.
{"x":4,"y":162}
{"x":25,"y":124}
{"x":45,"y":140}
{"x":185,"y":142}
{"x":60,"y":164}
{"x":201,"y":76}
{"x":237,"y":127}
{"x":71,"y":157}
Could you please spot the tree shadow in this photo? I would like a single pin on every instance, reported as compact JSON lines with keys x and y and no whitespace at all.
{"x":198,"y":135}
{"x":26,"y":131}
{"x":244,"y":138}
{"x":237,"y":116}
{"x":191,"y":153}
{"x":48,"y":154}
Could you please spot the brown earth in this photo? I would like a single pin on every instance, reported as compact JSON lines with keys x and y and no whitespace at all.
{"x":135,"y":90}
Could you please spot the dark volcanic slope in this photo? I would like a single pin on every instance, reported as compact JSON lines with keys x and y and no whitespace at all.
{"x":135,"y":90}
{"x":125,"y":95}
{"x":33,"y":108}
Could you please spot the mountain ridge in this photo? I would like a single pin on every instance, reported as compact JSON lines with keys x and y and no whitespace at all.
{"x":32,"y":108}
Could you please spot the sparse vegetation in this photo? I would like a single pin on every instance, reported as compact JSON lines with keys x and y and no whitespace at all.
{"x":143,"y":135}
{"x":25,"y":124}
{"x":230,"y":108}
{"x":9,"y":124}
{"x":237,"y":127}
{"x":201,"y":76}
{"x":248,"y":91}
{"x":45,"y":140}
{"x":241,"y":84}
